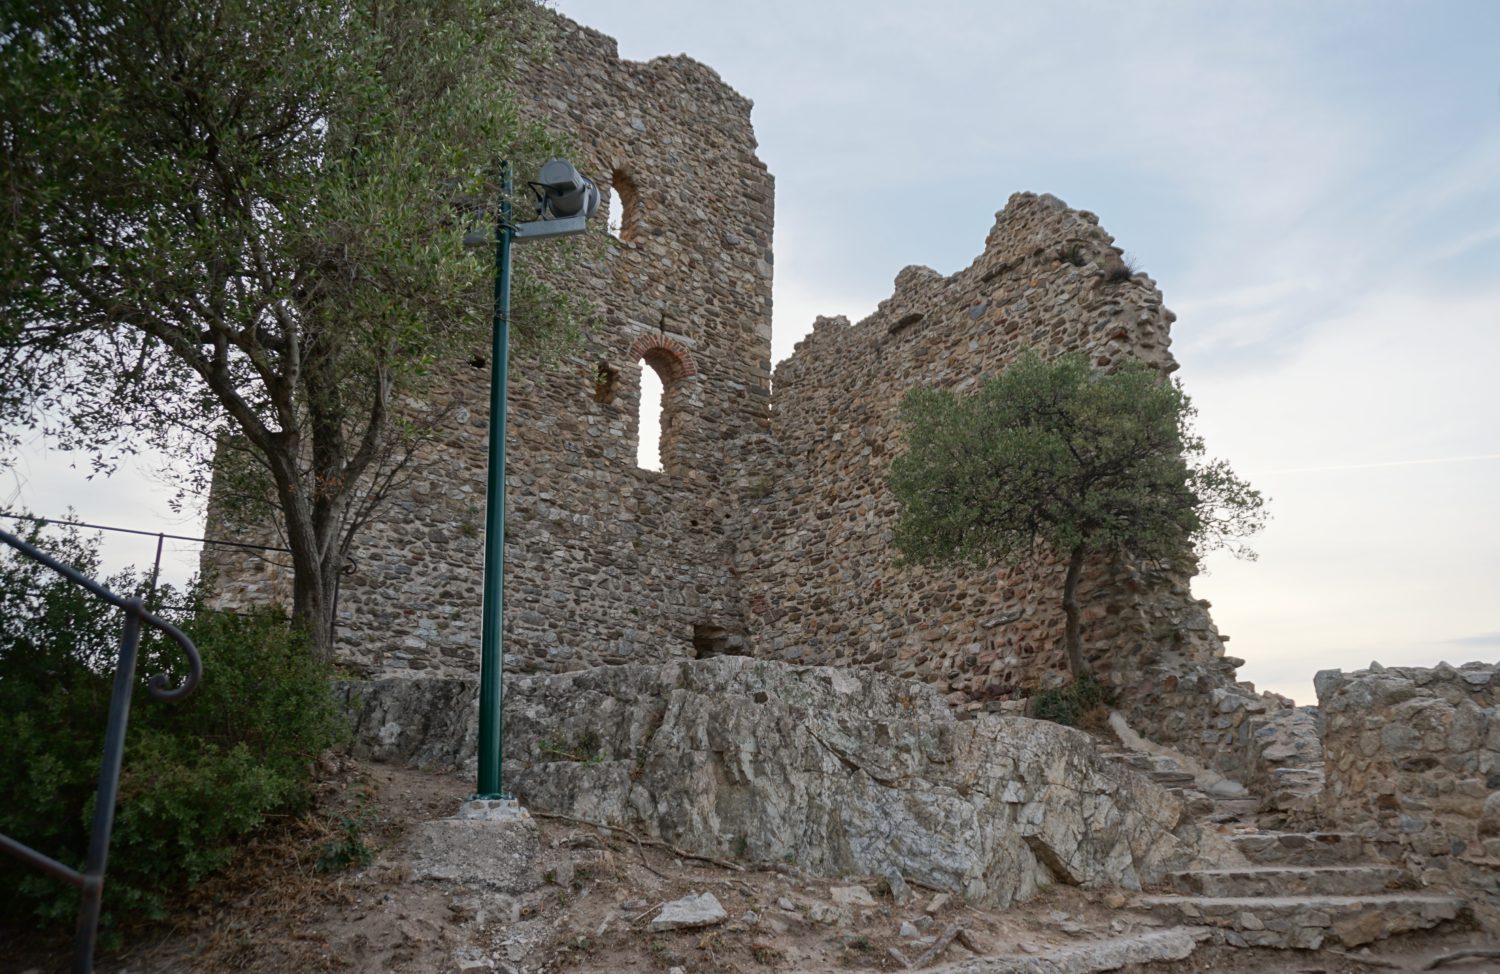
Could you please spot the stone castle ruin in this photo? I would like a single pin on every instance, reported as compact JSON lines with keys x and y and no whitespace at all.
{"x":766,"y":534}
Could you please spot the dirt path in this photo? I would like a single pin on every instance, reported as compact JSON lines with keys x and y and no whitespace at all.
{"x":276,"y":911}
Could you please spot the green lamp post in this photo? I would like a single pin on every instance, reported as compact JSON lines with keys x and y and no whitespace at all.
{"x":565,"y":201}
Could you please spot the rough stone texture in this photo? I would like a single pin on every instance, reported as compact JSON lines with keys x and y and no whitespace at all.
{"x":1300,"y":848}
{"x":1272,"y":745}
{"x":1412,"y":761}
{"x":822,"y":583}
{"x":428,"y":724}
{"x":843,"y":772}
{"x":702,"y":910}
{"x":1307,"y":923}
{"x":1088,"y":958}
{"x":605,"y":562}
{"x":767,"y":533}
{"x":498,"y":855}
{"x":1290,"y":881}
{"x":1262,"y":739}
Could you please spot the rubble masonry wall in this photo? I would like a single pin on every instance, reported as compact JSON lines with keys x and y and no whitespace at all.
{"x":767,"y":533}
{"x":1412,"y":763}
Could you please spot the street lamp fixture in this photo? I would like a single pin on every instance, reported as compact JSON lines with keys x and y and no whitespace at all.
{"x":565,"y":200}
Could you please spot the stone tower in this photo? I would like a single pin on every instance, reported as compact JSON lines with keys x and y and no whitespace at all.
{"x":606,"y":562}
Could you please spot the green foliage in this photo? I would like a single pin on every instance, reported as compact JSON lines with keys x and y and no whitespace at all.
{"x":1068,"y":704}
{"x":198,"y":773}
{"x":586,"y":750}
{"x":1049,"y":456}
{"x":1055,"y":458}
{"x":347,"y":847}
{"x":241,"y":222}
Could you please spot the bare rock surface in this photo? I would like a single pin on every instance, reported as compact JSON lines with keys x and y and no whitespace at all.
{"x":1112,"y":954}
{"x":843,"y":772}
{"x":701,"y":910}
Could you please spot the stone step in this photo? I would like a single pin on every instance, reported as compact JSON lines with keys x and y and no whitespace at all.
{"x":1173,"y":779}
{"x":1087,"y":958}
{"x":1306,"y":922}
{"x":1300,"y":848}
{"x":1197,"y":804}
{"x":1289,"y":881}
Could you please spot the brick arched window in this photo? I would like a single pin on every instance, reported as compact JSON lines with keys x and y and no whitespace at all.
{"x":671,"y":364}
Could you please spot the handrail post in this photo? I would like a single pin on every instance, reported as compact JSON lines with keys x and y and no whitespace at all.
{"x":91,"y":880}
{"x":109,"y":787}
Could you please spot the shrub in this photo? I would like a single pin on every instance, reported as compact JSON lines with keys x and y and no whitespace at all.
{"x":1071,"y":704}
{"x":347,"y":847}
{"x":1118,"y":270}
{"x":198,"y":773}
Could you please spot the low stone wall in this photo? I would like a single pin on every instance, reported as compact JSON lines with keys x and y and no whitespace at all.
{"x":1412,"y":761}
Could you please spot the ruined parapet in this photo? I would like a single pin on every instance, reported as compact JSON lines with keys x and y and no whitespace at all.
{"x":1412,"y":761}
{"x":821,"y":578}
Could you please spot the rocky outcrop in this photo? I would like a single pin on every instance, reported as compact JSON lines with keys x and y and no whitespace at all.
{"x":426,"y":724}
{"x":838,"y":771}
{"x":841,"y":772}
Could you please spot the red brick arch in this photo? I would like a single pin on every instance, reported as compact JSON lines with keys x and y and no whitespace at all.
{"x":670,"y":360}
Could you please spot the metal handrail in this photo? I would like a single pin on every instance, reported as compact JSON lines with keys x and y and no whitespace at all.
{"x":91,"y":880}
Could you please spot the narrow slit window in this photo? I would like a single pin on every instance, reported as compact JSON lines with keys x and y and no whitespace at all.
{"x":624,"y":206}
{"x":616,"y":215}
{"x":648,"y":451}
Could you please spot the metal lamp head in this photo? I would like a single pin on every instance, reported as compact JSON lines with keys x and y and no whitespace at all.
{"x":565,"y":191}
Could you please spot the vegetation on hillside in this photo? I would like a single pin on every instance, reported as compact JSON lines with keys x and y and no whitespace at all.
{"x":199,"y":773}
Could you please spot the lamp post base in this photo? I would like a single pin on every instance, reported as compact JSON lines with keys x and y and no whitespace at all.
{"x":490,"y":844}
{"x":492,"y":809}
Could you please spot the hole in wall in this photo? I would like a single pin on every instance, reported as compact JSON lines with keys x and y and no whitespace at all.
{"x":616,"y":216}
{"x":711,"y":640}
{"x":624,"y":206}
{"x":606,"y":382}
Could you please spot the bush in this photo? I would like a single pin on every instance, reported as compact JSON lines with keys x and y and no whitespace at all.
{"x":198,"y":774}
{"x":1073,"y":704}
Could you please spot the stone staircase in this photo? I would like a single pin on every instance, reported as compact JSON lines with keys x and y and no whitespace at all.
{"x":1302,"y":890}
{"x":1232,"y":806}
{"x":1295,"y":889}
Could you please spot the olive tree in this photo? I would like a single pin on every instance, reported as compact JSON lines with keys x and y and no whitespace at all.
{"x":1055,"y":459}
{"x":231,"y":224}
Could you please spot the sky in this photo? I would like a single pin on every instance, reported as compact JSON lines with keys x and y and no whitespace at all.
{"x":1314,"y":186}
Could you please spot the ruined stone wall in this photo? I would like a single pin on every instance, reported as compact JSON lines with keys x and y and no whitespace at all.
{"x":606,"y":562}
{"x":821,"y":576}
{"x":767,"y":532}
{"x":1412,"y":762}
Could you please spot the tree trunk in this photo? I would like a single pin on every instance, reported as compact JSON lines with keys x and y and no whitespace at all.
{"x":313,"y":605}
{"x":1072,"y":638}
{"x":315,"y":558}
